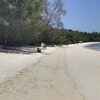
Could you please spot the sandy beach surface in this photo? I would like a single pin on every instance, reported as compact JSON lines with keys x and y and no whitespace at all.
{"x":69,"y":72}
{"x":46,"y":79}
{"x":12,"y":63}
{"x":84,"y":67}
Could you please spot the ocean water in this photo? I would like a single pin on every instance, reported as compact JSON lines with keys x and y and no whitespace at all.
{"x":95,"y":46}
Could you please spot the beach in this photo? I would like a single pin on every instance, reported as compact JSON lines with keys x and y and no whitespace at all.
{"x":70,"y":72}
{"x":84,"y":67}
{"x":12,"y":63}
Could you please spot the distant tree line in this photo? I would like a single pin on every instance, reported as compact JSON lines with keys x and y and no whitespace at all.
{"x":30,"y":22}
{"x":65,"y":36}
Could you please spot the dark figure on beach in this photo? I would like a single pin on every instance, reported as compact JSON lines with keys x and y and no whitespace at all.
{"x":38,"y":50}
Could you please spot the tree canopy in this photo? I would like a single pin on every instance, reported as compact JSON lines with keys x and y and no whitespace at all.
{"x":31,"y":22}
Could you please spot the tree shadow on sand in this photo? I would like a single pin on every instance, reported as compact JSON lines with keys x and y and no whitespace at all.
{"x":22,"y":50}
{"x":19,"y":50}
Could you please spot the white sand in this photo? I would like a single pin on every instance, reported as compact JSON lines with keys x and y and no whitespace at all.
{"x":46,"y":80}
{"x":69,"y":73}
{"x":11,"y":64}
{"x":84,"y":66}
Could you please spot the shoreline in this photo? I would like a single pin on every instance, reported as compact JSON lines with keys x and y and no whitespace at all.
{"x":94,"y":46}
{"x":83,"y":65}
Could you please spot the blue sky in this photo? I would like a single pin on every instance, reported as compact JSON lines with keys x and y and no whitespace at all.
{"x":82,"y":15}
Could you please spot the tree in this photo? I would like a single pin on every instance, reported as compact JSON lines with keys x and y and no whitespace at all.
{"x":51,"y":15}
{"x":31,"y":22}
{"x":19,"y":20}
{"x":53,"y":12}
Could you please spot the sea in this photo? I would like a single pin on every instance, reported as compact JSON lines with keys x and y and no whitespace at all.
{"x":95,"y":46}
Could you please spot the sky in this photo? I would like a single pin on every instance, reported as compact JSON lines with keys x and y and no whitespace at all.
{"x":82,"y":15}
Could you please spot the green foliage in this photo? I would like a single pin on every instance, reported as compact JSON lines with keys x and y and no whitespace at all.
{"x":24,"y":21}
{"x":35,"y":21}
{"x":20,"y":21}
